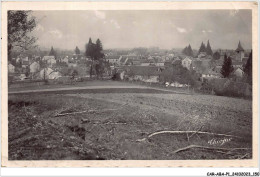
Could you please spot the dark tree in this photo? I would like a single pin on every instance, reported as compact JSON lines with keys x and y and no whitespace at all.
{"x":188,"y":51}
{"x":248,"y":68}
{"x":227,"y":67}
{"x":208,"y":49}
{"x":184,"y":51}
{"x":77,"y":51}
{"x":53,"y":52}
{"x":20,"y":24}
{"x":216,"y":56}
{"x":99,"y":56}
{"x":202,"y":48}
{"x":99,"y":50}
{"x":90,"y":52}
{"x":90,"y":49}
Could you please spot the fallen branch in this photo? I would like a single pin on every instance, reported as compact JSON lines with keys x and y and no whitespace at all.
{"x":185,"y":132}
{"x":121,"y":123}
{"x":87,"y":111}
{"x":104,"y":123}
{"x":141,"y":140}
{"x":208,"y":148}
{"x":196,"y":131}
{"x":242,"y":157}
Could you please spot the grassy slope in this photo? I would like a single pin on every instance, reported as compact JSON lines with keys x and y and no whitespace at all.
{"x":34,"y":132}
{"x":76,"y":84}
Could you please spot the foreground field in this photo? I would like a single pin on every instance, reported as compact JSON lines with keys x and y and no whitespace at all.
{"x":121,"y":125}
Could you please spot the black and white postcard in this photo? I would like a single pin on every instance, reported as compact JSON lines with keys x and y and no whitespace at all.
{"x":129,"y":84}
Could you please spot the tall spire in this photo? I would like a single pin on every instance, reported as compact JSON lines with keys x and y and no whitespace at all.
{"x":239,"y":47}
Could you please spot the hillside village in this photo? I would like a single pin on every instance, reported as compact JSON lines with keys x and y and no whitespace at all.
{"x":205,"y":63}
{"x":130,"y":85}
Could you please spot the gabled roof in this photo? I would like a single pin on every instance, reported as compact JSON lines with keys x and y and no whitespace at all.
{"x":34,"y":63}
{"x":187,"y":58}
{"x":132,"y":57}
{"x":143,"y":70}
{"x":239,"y":47}
{"x":123,"y":59}
{"x":48,"y":57}
{"x":113,"y":57}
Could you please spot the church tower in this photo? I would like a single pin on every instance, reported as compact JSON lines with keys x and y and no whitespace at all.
{"x":240,"y":52}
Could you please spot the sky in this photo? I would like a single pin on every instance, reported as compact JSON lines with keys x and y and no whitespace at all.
{"x":144,"y":28}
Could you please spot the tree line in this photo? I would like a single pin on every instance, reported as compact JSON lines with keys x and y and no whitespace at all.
{"x":203,"y":48}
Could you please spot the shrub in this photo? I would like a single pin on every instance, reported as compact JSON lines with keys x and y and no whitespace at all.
{"x":116,"y":77}
{"x":226,"y":87}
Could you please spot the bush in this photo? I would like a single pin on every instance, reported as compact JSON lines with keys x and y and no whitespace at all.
{"x":226,"y":87}
{"x":63,"y":80}
{"x":116,"y":77}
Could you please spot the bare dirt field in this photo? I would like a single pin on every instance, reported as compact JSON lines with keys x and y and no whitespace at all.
{"x":113,"y":126}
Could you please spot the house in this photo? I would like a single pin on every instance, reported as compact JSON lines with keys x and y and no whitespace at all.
{"x":240,"y":52}
{"x":54,"y":75}
{"x":202,"y":55}
{"x":25,"y":63}
{"x":22,"y":76}
{"x":34,"y":67}
{"x":186,"y":63}
{"x":50,"y":60}
{"x":45,"y":58}
{"x":143,"y":73}
{"x":210,"y":74}
{"x":238,"y":72}
{"x":113,"y":59}
{"x":65,"y":59}
{"x":44,"y":73}
{"x":176,"y":58}
{"x":132,"y":60}
{"x":122,"y":60}
{"x":148,"y":62}
{"x":136,"y":62}
{"x":77,"y":56}
{"x":129,"y":62}
{"x":11,"y":68}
